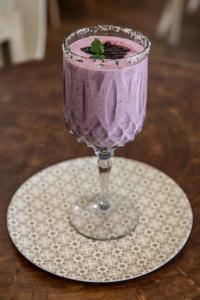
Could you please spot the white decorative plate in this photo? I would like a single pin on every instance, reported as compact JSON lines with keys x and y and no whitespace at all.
{"x":38,"y":221}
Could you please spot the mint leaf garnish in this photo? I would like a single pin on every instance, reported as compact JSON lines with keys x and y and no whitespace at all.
{"x":98,"y":56}
{"x":97,"y":49}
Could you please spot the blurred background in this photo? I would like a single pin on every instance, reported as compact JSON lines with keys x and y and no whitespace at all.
{"x":34,"y":29}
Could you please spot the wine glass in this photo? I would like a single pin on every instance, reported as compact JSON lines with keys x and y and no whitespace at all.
{"x":105,"y":107}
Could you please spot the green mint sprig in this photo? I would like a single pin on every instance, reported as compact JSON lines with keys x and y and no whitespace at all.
{"x":97,"y":49}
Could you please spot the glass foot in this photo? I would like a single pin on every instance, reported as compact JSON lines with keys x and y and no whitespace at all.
{"x":118,"y":220}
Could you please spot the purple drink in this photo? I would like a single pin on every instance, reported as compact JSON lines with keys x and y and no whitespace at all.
{"x":105,"y":101}
{"x":105,"y":82}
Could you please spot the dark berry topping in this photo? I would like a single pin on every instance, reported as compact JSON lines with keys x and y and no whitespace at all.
{"x":111,"y":51}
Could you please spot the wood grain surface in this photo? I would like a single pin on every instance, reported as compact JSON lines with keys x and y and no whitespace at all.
{"x":33,"y":136}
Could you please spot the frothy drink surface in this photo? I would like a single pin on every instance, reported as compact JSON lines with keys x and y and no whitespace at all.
{"x":105,"y":103}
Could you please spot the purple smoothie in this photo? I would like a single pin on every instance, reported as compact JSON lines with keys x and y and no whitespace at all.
{"x":105,"y":103}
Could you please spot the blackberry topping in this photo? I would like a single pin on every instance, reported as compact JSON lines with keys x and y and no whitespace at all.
{"x":86,"y":50}
{"x":111,"y":51}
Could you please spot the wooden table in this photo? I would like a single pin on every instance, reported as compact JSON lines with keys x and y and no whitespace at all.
{"x":33,"y":136}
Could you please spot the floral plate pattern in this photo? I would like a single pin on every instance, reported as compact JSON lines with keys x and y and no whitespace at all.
{"x":38,"y":221}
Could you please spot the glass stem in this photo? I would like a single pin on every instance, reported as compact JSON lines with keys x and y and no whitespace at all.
{"x":104,"y":166}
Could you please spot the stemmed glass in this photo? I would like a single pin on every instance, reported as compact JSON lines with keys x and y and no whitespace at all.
{"x":105,"y":107}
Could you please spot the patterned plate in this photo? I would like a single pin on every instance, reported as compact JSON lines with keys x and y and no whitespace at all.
{"x":38,"y":221}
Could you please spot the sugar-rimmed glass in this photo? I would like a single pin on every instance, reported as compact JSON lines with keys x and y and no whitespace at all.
{"x":105,"y":107}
